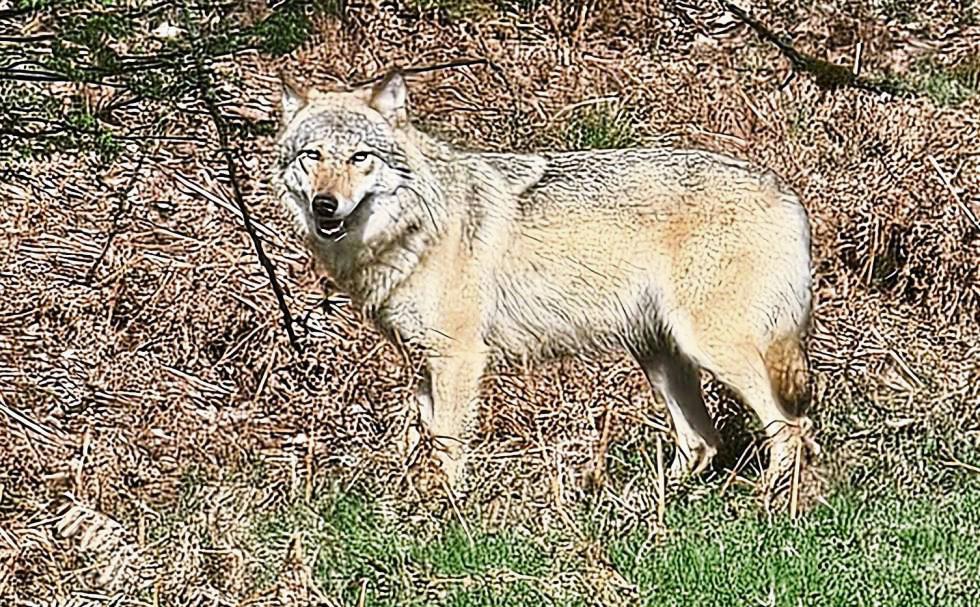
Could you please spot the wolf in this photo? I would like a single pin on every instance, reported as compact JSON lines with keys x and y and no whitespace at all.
{"x":682,"y":259}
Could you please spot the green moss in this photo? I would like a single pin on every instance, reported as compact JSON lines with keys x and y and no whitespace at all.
{"x":283,"y":31}
{"x":951,"y":86}
{"x":474,"y":9}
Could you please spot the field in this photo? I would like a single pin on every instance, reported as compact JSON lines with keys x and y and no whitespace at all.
{"x":161,"y":442}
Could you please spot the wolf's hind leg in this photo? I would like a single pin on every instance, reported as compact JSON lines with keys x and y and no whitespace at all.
{"x":676,"y":379}
{"x":742,"y":367}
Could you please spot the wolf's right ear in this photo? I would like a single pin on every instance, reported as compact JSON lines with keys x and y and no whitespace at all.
{"x":389,"y":97}
{"x":293,"y":99}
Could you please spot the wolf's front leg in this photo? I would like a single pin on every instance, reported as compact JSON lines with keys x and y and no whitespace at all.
{"x":455,"y":384}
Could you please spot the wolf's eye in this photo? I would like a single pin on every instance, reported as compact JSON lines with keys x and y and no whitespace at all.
{"x":359,"y":157}
{"x":312,"y":154}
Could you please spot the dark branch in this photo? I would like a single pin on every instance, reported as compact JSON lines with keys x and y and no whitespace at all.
{"x":31,"y":134}
{"x":15,"y":12}
{"x":26,"y":39}
{"x":827,"y":75}
{"x":219,"y":125}
{"x":427,"y":68}
{"x":46,"y":76}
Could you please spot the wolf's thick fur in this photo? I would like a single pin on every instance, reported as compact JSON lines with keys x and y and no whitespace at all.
{"x":684,"y":259}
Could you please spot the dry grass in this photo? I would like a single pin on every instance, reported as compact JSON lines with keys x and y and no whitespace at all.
{"x":161,"y":374}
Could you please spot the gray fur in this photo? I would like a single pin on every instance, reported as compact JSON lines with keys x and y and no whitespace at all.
{"x":683,"y":259}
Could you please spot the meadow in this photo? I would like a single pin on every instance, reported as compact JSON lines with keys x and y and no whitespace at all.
{"x":162,"y":441}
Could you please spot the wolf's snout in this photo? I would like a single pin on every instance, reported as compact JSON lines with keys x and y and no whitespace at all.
{"x":324,"y":206}
{"x":328,"y":225}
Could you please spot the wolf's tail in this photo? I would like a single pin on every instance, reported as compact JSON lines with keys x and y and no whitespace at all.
{"x":789,"y":372}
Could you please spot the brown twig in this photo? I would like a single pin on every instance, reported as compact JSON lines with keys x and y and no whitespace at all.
{"x":967,"y":212}
{"x":661,"y":485}
{"x":122,"y":206}
{"x":794,"y":501}
{"x":599,"y":474}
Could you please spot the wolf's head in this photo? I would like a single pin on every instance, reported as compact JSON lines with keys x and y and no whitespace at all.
{"x":341,"y":165}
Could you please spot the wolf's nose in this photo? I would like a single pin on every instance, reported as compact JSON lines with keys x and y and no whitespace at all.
{"x":324,"y":205}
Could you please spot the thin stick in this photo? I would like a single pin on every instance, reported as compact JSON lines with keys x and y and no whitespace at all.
{"x":426,"y":68}
{"x":955,"y":463}
{"x":661,"y":487}
{"x":459,"y":515}
{"x":219,"y":125}
{"x":265,"y":375}
{"x":311,"y":441}
{"x":794,"y":502}
{"x":742,"y":460}
{"x":86,"y":444}
{"x":362,"y":595}
{"x":949,"y":186}
{"x":600,"y":460}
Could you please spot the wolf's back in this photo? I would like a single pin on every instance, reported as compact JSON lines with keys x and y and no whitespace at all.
{"x":624,"y":243}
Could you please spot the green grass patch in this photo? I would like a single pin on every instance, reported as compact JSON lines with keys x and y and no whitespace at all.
{"x":862,"y":549}
{"x":453,"y":9}
{"x":951,"y":86}
{"x":395,"y":563}
{"x":857,"y":551}
{"x":601,"y":129}
{"x":474,"y":9}
{"x":944,"y":85}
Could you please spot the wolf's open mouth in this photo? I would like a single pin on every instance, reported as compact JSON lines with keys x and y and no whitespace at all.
{"x":329,"y":228}
{"x":324,"y":206}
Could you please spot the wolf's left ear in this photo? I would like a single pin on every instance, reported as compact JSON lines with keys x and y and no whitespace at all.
{"x":389,"y":97}
{"x":293,"y":99}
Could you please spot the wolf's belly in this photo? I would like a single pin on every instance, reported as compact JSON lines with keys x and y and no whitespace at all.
{"x":541,"y":321}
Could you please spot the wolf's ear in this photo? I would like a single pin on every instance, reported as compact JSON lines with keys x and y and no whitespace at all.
{"x":389,"y":97}
{"x":293,"y":99}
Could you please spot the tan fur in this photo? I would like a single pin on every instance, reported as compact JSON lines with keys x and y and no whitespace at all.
{"x":790,"y":374}
{"x":683,"y":259}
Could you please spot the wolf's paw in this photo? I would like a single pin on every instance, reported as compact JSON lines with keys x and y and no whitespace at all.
{"x":792,"y":478}
{"x":436,"y":471}
{"x":689,"y":464}
{"x":452,"y":463}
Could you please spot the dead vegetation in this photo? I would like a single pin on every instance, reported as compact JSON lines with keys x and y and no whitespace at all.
{"x":143,"y":362}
